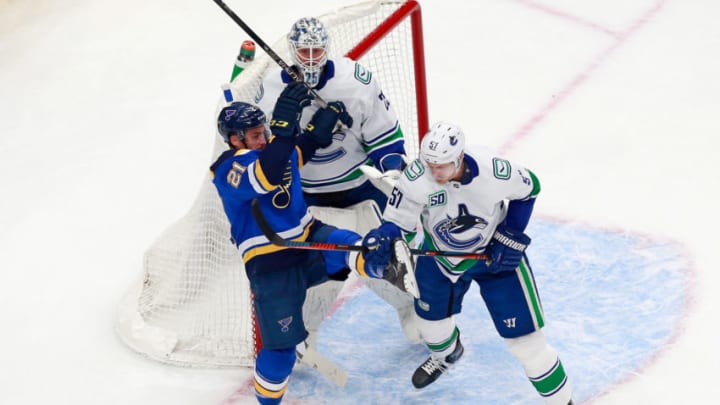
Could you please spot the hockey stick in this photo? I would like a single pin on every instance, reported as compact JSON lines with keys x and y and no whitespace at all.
{"x":267,"y":49}
{"x":277,"y":240}
{"x":310,"y":357}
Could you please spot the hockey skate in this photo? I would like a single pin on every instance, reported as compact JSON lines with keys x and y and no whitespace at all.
{"x":401,"y":270}
{"x":433,"y":367}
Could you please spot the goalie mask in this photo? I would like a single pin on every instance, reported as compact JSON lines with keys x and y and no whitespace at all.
{"x":443,"y":143}
{"x":308,"y":42}
{"x":239,"y":117}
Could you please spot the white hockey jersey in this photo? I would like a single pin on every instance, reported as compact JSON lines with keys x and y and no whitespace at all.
{"x":375,"y":124}
{"x":459,"y":216}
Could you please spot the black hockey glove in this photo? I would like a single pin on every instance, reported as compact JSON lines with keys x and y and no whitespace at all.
{"x":322,"y":124}
{"x":288,"y":109}
{"x":506,"y":249}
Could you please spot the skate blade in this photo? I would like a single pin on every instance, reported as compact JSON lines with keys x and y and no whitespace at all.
{"x":403,"y":255}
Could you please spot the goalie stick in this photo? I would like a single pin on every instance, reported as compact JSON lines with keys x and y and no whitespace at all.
{"x":322,"y":103}
{"x":310,"y":357}
{"x":277,"y":240}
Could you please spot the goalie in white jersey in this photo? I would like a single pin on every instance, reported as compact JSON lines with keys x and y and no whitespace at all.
{"x":470,"y":200}
{"x":332,"y":177}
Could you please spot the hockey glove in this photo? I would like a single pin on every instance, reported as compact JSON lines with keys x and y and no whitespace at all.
{"x":377,"y":253}
{"x":378,"y":249}
{"x":322,"y":124}
{"x":506,"y":249}
{"x":288,"y":109}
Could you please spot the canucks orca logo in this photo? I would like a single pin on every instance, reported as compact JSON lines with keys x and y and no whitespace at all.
{"x":449,"y":229}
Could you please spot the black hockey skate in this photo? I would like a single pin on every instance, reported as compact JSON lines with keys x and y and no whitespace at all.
{"x":431,"y":370}
{"x":400,"y":272}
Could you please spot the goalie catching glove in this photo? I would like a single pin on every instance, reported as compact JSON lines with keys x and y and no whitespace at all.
{"x":506,"y":249}
{"x":323,"y":123}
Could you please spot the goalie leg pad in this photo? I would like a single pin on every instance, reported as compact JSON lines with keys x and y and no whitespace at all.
{"x":360,"y":217}
{"x":542,"y":366}
{"x":318,"y":302}
{"x":401,"y":301}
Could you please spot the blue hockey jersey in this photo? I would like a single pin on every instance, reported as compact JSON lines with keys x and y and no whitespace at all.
{"x":240,"y":175}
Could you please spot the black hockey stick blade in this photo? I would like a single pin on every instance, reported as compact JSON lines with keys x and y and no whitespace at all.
{"x":277,"y":240}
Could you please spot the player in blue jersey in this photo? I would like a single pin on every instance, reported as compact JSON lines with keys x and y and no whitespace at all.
{"x":263,"y":163}
{"x":471,"y":200}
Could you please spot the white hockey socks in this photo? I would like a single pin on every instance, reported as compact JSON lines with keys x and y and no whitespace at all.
{"x":439,"y":336}
{"x":542,"y":366}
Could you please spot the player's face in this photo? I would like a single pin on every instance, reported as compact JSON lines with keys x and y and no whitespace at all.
{"x":310,"y":56}
{"x":442,"y":172}
{"x":255,"y":137}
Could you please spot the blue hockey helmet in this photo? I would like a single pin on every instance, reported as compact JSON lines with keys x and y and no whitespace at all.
{"x":309,"y":45}
{"x":239,"y":117}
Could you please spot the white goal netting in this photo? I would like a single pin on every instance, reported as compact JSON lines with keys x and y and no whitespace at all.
{"x":193,"y":305}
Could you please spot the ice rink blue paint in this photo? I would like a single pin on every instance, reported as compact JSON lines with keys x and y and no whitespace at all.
{"x":612,"y":301}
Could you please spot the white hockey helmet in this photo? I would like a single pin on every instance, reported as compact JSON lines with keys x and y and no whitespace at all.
{"x":309,"y":46}
{"x":443,"y":143}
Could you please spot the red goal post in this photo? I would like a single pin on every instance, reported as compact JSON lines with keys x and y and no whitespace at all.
{"x":192,"y":305}
{"x":409,"y":10}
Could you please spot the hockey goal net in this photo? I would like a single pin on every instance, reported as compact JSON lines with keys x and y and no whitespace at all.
{"x":193,"y":304}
